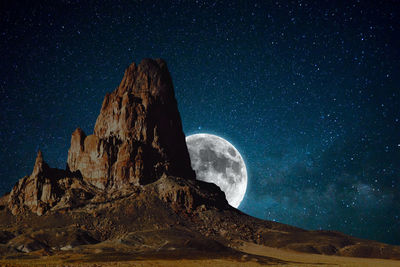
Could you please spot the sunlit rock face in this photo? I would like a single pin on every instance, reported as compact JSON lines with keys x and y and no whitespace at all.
{"x":138,"y":135}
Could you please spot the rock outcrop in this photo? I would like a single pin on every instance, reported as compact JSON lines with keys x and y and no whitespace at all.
{"x":34,"y":192}
{"x":129,"y":187}
{"x":138,"y":135}
{"x":48,"y":188}
{"x":137,"y":139}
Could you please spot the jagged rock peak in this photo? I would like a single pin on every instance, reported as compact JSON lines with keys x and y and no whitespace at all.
{"x":47,"y":188}
{"x":40,"y":165}
{"x":39,"y":156}
{"x":33,"y":192}
{"x":144,"y":88}
{"x":150,"y":76}
{"x":138,"y":134}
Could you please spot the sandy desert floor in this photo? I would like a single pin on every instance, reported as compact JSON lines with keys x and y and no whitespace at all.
{"x":304,"y":259}
{"x":292,"y":259}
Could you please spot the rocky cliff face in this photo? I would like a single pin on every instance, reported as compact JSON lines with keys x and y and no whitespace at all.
{"x":34,"y":192}
{"x":48,"y":188}
{"x":137,"y":139}
{"x":138,"y":135}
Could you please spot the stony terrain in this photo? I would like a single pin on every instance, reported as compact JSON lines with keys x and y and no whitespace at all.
{"x":128,"y":193}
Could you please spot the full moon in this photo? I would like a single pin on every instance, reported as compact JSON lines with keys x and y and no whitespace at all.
{"x":217,"y":161}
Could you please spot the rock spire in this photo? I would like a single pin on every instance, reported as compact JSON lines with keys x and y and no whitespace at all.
{"x":138,"y":135}
{"x":137,"y":139}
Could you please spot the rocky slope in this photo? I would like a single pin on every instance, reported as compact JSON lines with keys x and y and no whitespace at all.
{"x":128,"y":189}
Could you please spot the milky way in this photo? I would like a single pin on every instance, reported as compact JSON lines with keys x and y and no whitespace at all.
{"x":308,"y":91}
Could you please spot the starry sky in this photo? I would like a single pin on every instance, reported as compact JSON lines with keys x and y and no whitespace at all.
{"x":307,"y":91}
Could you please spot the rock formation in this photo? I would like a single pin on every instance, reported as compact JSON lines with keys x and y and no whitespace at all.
{"x":48,"y":188}
{"x":129,"y":186}
{"x":137,"y":139}
{"x":138,"y":135}
{"x":34,"y":192}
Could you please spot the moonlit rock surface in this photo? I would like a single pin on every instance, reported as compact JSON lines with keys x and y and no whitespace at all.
{"x":138,"y":134}
{"x":217,"y":161}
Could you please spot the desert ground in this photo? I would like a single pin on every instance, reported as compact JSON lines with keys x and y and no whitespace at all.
{"x":294,"y":258}
{"x":255,"y":255}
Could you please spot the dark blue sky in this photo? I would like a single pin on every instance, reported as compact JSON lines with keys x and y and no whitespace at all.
{"x":308,"y":91}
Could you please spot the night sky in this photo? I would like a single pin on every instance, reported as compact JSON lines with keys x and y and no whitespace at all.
{"x":308,"y":92}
